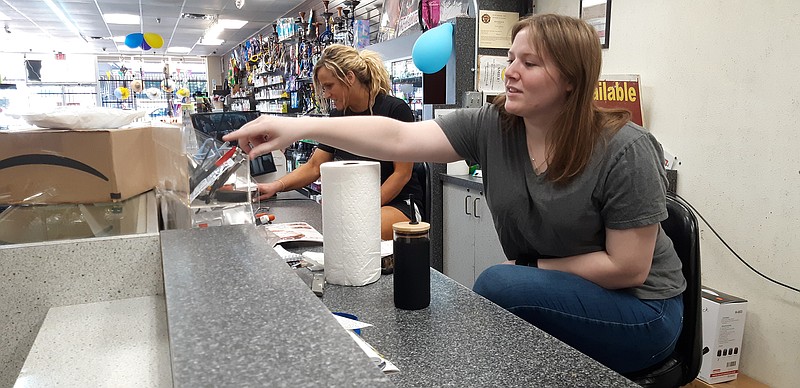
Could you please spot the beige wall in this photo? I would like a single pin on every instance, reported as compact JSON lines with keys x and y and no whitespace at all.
{"x":720,"y":85}
{"x":215,"y":76}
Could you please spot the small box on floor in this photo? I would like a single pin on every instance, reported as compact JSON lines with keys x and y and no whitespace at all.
{"x":723,"y":327}
{"x":743,"y":381}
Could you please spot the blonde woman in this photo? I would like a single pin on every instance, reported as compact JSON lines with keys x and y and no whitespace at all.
{"x":358,"y":85}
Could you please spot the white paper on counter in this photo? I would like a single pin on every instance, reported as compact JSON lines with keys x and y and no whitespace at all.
{"x":350,"y":324}
{"x":383,"y":364}
{"x":387,"y":248}
{"x":317,"y":258}
{"x":458,"y":168}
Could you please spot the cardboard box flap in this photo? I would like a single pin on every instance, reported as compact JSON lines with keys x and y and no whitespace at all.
{"x":720,"y":297}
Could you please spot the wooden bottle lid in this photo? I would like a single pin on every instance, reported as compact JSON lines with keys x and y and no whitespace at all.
{"x":408,"y":227}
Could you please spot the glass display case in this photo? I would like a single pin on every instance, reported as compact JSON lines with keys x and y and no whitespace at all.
{"x":39,"y":223}
{"x":407,"y":84}
{"x":9,"y":97}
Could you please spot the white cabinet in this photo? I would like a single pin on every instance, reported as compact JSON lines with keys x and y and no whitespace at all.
{"x":469,"y":240}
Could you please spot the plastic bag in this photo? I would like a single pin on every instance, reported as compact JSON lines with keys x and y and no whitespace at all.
{"x":80,"y":118}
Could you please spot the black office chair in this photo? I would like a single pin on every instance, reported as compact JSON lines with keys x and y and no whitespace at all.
{"x":683,"y":365}
{"x":421,"y":173}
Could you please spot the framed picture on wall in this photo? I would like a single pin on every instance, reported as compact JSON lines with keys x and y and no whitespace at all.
{"x":598,"y":14}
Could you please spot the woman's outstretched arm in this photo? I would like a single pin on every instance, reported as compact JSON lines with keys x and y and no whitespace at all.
{"x":376,"y":137}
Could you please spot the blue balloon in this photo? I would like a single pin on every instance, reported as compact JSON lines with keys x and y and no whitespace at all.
{"x":433,"y":48}
{"x":134,"y":40}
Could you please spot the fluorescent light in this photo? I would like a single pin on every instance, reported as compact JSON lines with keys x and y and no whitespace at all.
{"x":121,"y":18}
{"x":119,"y":38}
{"x":4,"y":16}
{"x":589,"y":3}
{"x":210,"y":42}
{"x":67,"y":23}
{"x":232,"y":24}
{"x":179,"y":49}
{"x":213,"y":32}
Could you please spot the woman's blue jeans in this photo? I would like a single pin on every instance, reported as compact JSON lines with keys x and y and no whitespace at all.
{"x":614,"y":327}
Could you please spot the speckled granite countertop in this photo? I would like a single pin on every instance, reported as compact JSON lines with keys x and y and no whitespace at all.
{"x":462,"y":339}
{"x":245,"y":319}
{"x":239,"y":317}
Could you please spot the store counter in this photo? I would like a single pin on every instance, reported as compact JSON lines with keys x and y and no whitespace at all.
{"x":239,"y":316}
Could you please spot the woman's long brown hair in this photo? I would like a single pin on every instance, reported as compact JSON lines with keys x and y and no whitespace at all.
{"x":573,"y":45}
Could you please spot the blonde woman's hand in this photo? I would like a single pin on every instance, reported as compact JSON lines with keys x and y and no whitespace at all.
{"x":266,"y":190}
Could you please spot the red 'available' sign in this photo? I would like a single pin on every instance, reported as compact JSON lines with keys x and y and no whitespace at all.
{"x":620,"y":92}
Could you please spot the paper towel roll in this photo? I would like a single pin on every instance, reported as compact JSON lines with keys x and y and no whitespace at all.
{"x":351,"y":222}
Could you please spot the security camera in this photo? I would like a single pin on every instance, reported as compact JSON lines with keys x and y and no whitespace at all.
{"x":8,"y":30}
{"x":104,"y":49}
{"x":214,"y":52}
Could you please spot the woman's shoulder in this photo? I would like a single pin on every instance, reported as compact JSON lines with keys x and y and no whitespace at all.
{"x":632,"y":138}
{"x":389,"y":100}
{"x":630,"y":134}
{"x":485,"y":112}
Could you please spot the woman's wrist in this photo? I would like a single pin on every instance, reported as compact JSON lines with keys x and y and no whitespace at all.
{"x":283,"y":185}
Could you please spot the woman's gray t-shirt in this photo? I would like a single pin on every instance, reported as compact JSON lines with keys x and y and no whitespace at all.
{"x":622,"y":187}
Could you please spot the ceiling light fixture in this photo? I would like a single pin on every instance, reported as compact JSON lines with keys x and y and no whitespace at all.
{"x":231,"y":24}
{"x":67,"y":23}
{"x":197,"y":16}
{"x":213,"y":31}
{"x":121,"y":18}
{"x":210,"y":42}
{"x":211,"y":35}
{"x":179,"y":50}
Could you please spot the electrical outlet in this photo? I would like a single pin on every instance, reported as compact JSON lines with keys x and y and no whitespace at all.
{"x":472,"y":100}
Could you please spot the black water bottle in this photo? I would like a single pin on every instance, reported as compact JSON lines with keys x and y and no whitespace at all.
{"x":412,"y":276}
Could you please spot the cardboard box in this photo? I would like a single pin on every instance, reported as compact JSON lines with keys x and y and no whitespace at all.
{"x":50,"y":166}
{"x":723,"y":327}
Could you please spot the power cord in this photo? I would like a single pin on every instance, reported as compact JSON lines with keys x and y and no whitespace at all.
{"x":731,"y":249}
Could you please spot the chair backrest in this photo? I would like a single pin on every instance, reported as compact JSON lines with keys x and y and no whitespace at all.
{"x":683,"y":365}
{"x":681,"y":227}
{"x":421,"y":172}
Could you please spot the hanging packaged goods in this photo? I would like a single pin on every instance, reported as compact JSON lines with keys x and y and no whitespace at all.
{"x":290,"y":52}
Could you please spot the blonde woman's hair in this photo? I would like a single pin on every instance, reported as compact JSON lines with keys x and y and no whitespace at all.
{"x":574,"y":47}
{"x":366,"y":65}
